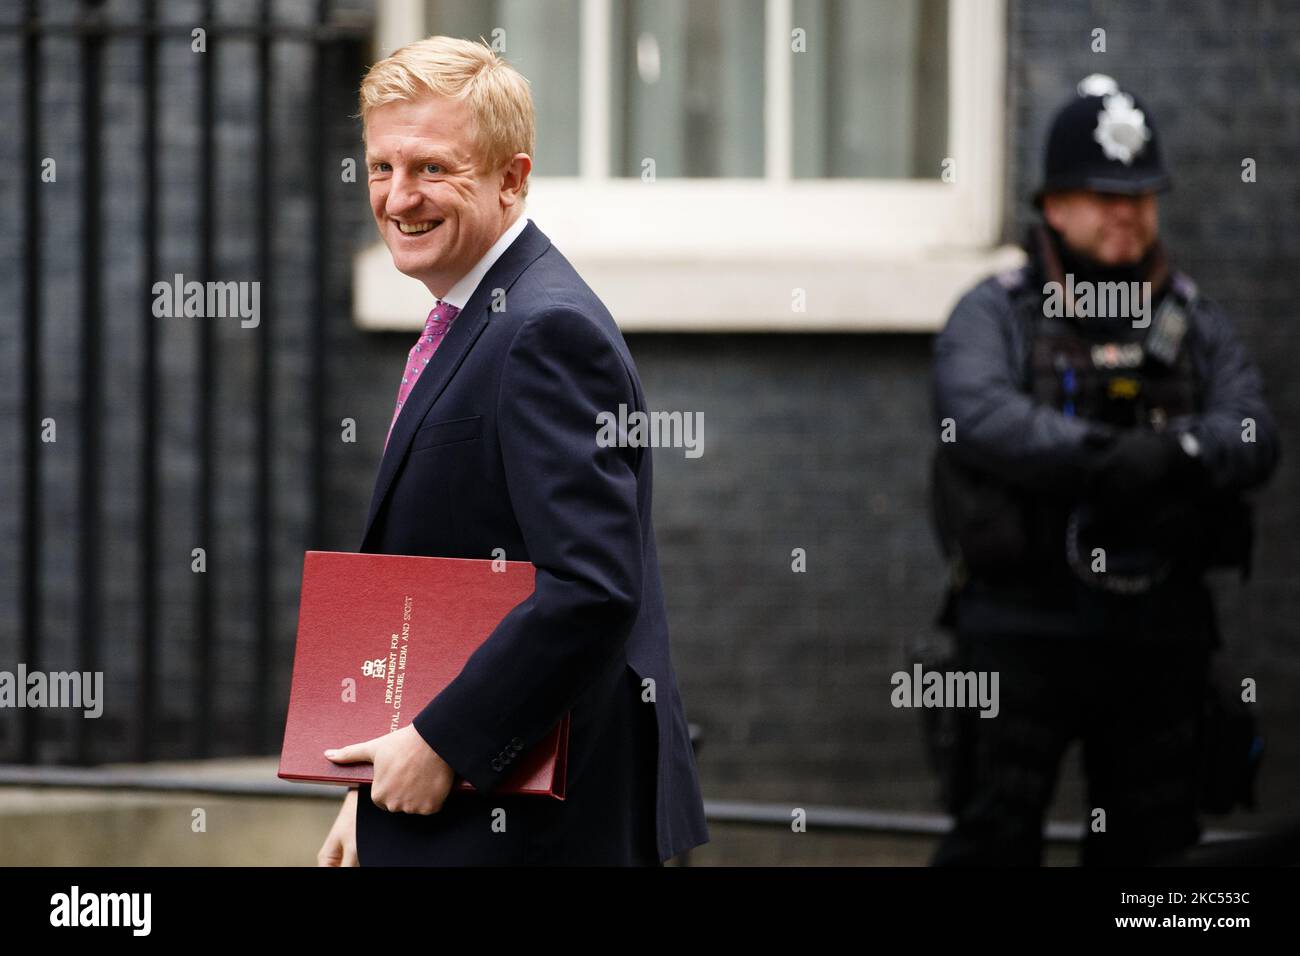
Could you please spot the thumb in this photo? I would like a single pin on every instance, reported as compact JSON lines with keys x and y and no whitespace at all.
{"x":353,"y":753}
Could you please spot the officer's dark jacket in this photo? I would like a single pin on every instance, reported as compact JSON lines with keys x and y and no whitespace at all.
{"x":980,"y":361}
{"x":981,"y":383}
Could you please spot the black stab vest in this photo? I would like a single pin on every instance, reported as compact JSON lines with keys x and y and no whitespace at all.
{"x":1110,"y":371}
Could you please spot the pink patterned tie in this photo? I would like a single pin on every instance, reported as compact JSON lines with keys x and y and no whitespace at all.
{"x":435,"y":327}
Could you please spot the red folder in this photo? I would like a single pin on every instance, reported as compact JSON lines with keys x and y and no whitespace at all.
{"x":379,"y":636}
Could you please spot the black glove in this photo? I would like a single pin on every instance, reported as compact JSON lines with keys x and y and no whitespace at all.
{"x":1141,"y":463}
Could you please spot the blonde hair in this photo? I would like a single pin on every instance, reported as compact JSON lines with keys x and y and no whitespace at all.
{"x":498,"y":95}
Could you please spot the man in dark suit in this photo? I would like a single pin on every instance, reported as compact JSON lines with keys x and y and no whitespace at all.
{"x":493,"y":452}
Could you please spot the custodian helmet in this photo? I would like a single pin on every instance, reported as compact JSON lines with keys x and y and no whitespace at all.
{"x":1103,"y":140}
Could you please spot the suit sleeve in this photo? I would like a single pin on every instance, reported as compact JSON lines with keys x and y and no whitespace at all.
{"x":576,"y":505}
{"x":998,"y":428}
{"x":1236,"y":456}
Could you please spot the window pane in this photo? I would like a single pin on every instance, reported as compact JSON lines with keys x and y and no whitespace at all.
{"x":871,"y":91}
{"x":687,"y":87}
{"x":541,"y":39}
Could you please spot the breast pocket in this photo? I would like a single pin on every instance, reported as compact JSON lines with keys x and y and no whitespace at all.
{"x":448,"y":432}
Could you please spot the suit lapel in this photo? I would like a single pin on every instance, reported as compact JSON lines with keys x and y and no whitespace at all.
{"x":449,"y":357}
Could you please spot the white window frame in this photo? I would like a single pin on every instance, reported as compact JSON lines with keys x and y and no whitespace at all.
{"x":724,"y":254}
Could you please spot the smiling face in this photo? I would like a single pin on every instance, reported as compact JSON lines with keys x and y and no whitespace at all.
{"x":436,"y":209}
{"x":1115,"y":230}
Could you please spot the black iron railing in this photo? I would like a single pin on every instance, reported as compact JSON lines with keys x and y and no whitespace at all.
{"x":327,"y":36}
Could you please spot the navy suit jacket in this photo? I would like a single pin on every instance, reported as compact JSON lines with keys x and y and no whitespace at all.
{"x":495,"y":448}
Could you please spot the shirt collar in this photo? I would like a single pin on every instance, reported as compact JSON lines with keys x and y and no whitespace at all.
{"x":460,"y":293}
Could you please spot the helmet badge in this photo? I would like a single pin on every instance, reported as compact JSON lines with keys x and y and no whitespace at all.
{"x":1121,"y":128}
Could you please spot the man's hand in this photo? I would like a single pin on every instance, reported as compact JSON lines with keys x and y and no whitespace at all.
{"x":340,"y":846}
{"x":409,"y":776}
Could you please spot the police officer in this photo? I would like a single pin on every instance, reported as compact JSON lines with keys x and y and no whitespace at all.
{"x":1099,"y":420}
